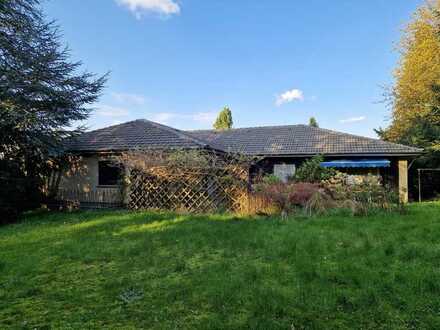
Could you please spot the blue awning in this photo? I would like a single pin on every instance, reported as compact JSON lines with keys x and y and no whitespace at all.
{"x":365,"y":163}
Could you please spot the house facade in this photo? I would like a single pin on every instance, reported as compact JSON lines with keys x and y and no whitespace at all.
{"x":280,"y":150}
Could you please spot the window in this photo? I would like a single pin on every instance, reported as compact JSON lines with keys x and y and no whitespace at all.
{"x":108,"y":173}
{"x":284,"y":171}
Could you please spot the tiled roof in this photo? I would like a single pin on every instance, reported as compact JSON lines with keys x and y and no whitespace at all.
{"x":297,"y":140}
{"x":134,"y":134}
{"x":265,"y":141}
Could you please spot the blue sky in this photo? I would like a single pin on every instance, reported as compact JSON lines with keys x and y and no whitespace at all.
{"x":272,"y":62}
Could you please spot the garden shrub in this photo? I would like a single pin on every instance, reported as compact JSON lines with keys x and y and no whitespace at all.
{"x":366,"y":197}
{"x":277,"y":194}
{"x":316,"y":190}
{"x":17,"y":195}
{"x":312,"y":171}
{"x":302,"y":192}
{"x":287,"y":196}
{"x":319,"y":203}
{"x":271,"y":179}
{"x":361,"y":198}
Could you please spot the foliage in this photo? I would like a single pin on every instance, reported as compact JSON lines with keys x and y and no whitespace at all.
{"x":313,"y":122}
{"x":415,"y":97}
{"x":224,"y":120}
{"x":312,"y":171}
{"x":278,"y":194}
{"x":302,"y":192}
{"x":204,"y":272}
{"x":270,"y":179}
{"x":287,"y":196}
{"x":174,"y":160}
{"x":11,"y":197}
{"x":360,"y":194}
{"x":191,"y":180}
{"x":364,"y":197}
{"x":320,"y":202}
{"x":42,"y":93}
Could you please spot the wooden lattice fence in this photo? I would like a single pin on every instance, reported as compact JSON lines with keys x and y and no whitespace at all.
{"x":193,"y":190}
{"x":101,"y":198}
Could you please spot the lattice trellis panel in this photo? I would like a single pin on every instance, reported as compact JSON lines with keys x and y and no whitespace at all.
{"x":190,"y":190}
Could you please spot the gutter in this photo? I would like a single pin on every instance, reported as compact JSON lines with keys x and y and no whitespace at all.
{"x":339,"y":155}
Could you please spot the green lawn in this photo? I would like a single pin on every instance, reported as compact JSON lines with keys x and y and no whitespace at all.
{"x":122,"y":270}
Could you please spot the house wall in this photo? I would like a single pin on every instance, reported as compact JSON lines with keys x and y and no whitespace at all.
{"x":81,"y":184}
{"x":83,"y":177}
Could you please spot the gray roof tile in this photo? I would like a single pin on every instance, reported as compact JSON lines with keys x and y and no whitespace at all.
{"x":132,"y":135}
{"x":265,"y":141}
{"x":297,"y":140}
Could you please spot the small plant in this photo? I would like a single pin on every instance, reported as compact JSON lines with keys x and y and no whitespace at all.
{"x":131,"y":295}
{"x":270,"y":179}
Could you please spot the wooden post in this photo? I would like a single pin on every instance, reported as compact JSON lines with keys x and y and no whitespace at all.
{"x":403,"y":180}
{"x":420,"y":186}
{"x":126,"y":186}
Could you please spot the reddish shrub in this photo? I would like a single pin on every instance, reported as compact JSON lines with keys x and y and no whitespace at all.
{"x":301,"y":193}
{"x":287,"y":195}
{"x":278,"y":194}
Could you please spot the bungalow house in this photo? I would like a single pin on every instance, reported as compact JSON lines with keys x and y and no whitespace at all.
{"x":281,"y":149}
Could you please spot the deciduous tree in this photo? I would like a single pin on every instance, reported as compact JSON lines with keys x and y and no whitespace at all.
{"x":224,"y":120}
{"x":313,"y":122}
{"x":413,"y":96}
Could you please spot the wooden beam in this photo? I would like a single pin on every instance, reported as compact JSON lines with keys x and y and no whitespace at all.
{"x":403,"y":180}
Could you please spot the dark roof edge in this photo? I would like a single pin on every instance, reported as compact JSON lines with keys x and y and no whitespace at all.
{"x":400,"y":154}
{"x":368,"y":138}
{"x":370,"y":154}
{"x":99,"y":151}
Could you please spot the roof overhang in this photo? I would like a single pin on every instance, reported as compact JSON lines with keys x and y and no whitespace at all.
{"x":403,"y":155}
{"x":140,"y":149}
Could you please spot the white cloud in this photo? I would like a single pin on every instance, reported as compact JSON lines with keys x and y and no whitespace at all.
{"x":110,"y":111}
{"x":289,"y":96}
{"x":352,"y":120}
{"x":138,"y":7}
{"x":204,"y":117}
{"x":128,"y":98}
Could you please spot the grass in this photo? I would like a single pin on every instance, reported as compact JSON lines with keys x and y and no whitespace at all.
{"x":121,"y":270}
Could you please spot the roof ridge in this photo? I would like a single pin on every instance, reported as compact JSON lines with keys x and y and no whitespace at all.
{"x":111,"y":126}
{"x":178,"y":132}
{"x":241,"y":128}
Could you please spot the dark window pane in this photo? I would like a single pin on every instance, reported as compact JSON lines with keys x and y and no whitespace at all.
{"x":109,"y":174}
